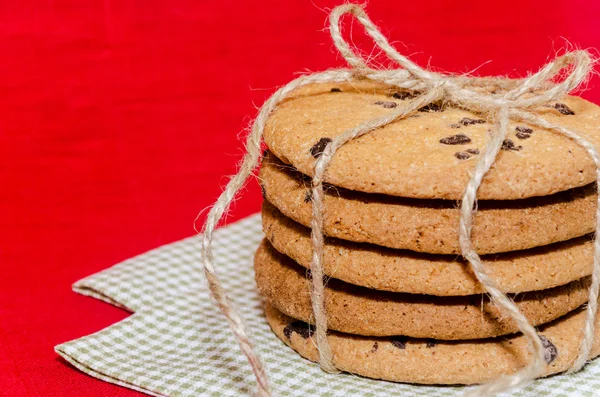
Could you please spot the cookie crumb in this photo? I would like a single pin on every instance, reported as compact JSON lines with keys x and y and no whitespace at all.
{"x":509,"y":144}
{"x":399,"y":342}
{"x":458,"y":139}
{"x":550,"y":350}
{"x":375,"y":347}
{"x":462,"y":155}
{"x":387,"y":104}
{"x":469,"y":121}
{"x":563,"y":109}
{"x":403,"y":95}
{"x":299,"y":327}
{"x":335,"y":89}
{"x":317,"y":150}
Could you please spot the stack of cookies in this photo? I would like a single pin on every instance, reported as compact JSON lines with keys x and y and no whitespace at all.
{"x":401,"y":303}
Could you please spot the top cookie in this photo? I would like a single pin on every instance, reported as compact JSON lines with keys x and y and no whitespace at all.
{"x":430,"y":154}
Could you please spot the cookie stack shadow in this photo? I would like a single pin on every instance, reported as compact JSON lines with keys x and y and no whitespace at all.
{"x":401,"y":303}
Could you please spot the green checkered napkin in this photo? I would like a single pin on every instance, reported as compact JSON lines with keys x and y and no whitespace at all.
{"x":178,"y":344}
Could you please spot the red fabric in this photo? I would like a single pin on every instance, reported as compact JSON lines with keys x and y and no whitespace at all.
{"x":119,"y":120}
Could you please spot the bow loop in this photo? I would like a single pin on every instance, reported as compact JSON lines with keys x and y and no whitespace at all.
{"x":479,"y":94}
{"x":380,"y":40}
{"x":575,"y":68}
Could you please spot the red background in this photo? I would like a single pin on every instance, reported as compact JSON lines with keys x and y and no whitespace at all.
{"x":119,"y":120}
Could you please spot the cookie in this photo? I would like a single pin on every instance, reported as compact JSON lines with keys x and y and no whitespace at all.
{"x":362,"y":311}
{"x":437,"y":362}
{"x":432,"y":153}
{"x":432,"y":225}
{"x":387,"y":269}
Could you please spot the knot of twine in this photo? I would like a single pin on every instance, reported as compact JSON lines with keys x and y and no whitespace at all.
{"x":497,"y":98}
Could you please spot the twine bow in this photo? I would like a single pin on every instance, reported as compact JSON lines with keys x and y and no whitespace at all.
{"x":499,"y":99}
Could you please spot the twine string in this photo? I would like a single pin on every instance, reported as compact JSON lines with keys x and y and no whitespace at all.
{"x":249,"y":163}
{"x":467,"y":211}
{"x":592,"y":305}
{"x":318,"y":287}
{"x":496,"y":98}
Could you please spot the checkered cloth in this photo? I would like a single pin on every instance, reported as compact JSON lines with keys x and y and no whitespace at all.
{"x":178,"y":344}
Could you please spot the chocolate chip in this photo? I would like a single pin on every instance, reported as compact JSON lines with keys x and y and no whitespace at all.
{"x":550,"y":350}
{"x":430,"y":343}
{"x":387,"y":104}
{"x":458,"y":139}
{"x":466,"y":154}
{"x":375,"y":347}
{"x":509,"y":144}
{"x":399,"y":342}
{"x":403,"y":95}
{"x":299,"y":327}
{"x":308,"y":196}
{"x":335,"y":89}
{"x":522,"y":135}
{"x":263,"y":191}
{"x":432,"y":107}
{"x":563,"y":109}
{"x":454,"y":125}
{"x":317,"y":150}
{"x":468,"y":121}
{"x":523,"y":132}
{"x":462,"y":155}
